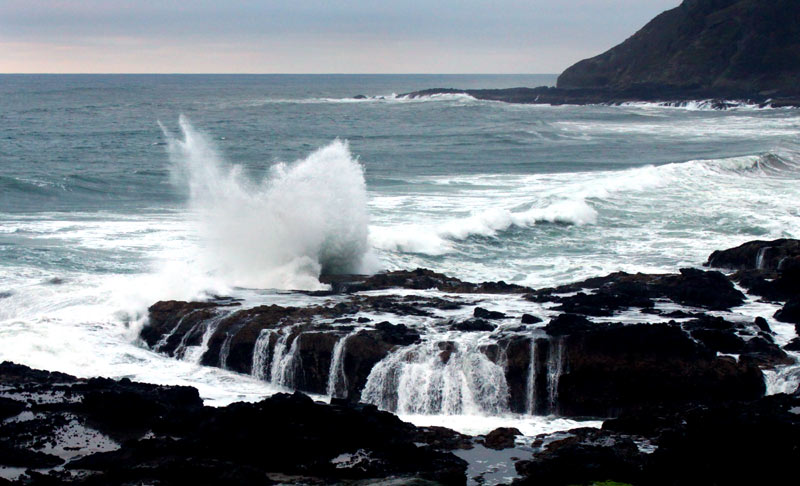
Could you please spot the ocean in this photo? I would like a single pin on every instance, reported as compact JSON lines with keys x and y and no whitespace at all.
{"x":117,"y":191}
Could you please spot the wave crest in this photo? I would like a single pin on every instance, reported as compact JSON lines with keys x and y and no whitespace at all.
{"x":436,"y":242}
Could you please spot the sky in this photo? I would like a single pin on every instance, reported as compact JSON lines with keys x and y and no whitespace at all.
{"x":312,"y":36}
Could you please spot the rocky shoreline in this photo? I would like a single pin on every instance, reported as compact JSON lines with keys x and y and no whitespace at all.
{"x":677,"y":377}
{"x":717,"y":99}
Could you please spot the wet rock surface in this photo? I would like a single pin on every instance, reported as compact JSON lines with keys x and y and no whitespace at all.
{"x":691,"y":287}
{"x":501,"y":438}
{"x":552,"y":354}
{"x":697,"y":444}
{"x":132,"y":433}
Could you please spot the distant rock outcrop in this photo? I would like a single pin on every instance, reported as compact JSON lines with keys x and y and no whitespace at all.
{"x":736,"y":47}
{"x":722,"y":52}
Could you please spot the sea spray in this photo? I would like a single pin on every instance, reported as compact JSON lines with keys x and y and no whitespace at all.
{"x":303,"y":219}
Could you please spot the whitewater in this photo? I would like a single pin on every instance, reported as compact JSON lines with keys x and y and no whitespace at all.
{"x":190,"y":191}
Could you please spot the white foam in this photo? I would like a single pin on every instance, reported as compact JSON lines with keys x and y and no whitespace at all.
{"x":433,"y":239}
{"x":530,"y":426}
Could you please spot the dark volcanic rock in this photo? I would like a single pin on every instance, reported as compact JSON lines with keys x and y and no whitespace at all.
{"x":763,"y":325}
{"x":482,"y":313}
{"x":744,"y":47}
{"x":608,"y":368}
{"x":756,"y":255}
{"x":694,"y":444}
{"x":618,"y":291}
{"x":586,"y":457}
{"x":770,"y":269}
{"x":419,"y":279}
{"x":473,"y":325}
{"x":501,"y":438}
{"x":565,"y":324}
{"x":174,"y":440}
{"x":443,"y":438}
{"x":790,"y":312}
{"x":765,"y":354}
{"x":529,"y":319}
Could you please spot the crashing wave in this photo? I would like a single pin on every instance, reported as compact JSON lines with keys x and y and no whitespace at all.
{"x":302,"y":220}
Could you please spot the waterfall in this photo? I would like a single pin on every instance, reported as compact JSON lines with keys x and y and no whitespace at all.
{"x":283,"y":361}
{"x":438,"y":378}
{"x":196,"y":353}
{"x":165,"y":338}
{"x":261,"y":363}
{"x":531,"y":399}
{"x":337,"y":380}
{"x":555,"y":364}
{"x":760,"y":257}
{"x":225,"y":351}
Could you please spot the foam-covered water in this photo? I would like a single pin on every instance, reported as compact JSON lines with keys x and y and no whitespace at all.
{"x":267,"y":181}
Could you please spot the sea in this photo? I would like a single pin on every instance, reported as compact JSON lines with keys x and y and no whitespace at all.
{"x":117,"y":191}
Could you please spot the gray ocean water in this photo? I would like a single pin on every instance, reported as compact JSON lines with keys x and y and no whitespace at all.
{"x":120,"y":190}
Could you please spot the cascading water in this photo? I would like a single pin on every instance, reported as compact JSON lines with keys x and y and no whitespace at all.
{"x":531,"y":391}
{"x":225,"y":351}
{"x":555,"y":366}
{"x":438,"y":377}
{"x":760,"y":257}
{"x":194,"y":353}
{"x":337,"y":380}
{"x":165,"y":338}
{"x":261,"y":356}
{"x":283,"y":360}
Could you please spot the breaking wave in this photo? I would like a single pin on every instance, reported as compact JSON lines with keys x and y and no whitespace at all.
{"x":302,"y":220}
{"x":429,"y":241}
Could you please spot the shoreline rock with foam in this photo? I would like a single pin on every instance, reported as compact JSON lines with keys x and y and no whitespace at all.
{"x":420,"y":342}
{"x":664,"y":359}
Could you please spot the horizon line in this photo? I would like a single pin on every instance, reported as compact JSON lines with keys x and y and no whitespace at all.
{"x":271,"y":74}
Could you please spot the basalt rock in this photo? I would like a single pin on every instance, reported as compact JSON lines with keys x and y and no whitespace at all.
{"x":790,"y":312}
{"x":530,"y":319}
{"x":482,"y":313}
{"x":619,"y":291}
{"x":609,"y":368}
{"x":756,"y":255}
{"x":691,"y":444}
{"x":473,"y":325}
{"x":501,"y":438}
{"x":173,"y":438}
{"x":586,"y":457}
{"x":770,"y":269}
{"x":419,"y":279}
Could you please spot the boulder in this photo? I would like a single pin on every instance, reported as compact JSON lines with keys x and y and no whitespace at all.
{"x":790,"y":312}
{"x":501,"y":438}
{"x":482,"y":313}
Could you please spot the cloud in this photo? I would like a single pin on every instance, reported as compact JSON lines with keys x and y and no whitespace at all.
{"x":312,"y":36}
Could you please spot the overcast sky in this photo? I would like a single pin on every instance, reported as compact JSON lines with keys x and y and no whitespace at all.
{"x":313,"y":36}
